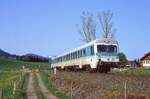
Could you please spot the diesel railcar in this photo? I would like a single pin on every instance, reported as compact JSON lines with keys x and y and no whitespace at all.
{"x":98,"y":55}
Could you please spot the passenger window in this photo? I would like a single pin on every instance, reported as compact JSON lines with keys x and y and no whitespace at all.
{"x":92,"y":50}
{"x":84,"y":52}
{"x":75,"y":55}
{"x":78,"y":54}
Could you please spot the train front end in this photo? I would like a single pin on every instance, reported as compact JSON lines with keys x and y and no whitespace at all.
{"x":107,"y":54}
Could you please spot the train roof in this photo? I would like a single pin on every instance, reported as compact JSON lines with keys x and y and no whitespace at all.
{"x":98,"y":41}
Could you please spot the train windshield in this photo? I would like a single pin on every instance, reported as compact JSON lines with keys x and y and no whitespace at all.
{"x":106,"y":48}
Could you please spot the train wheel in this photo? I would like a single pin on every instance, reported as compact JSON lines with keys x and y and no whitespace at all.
{"x":99,"y":68}
{"x":102,"y":68}
{"x":75,"y":68}
{"x":87,"y":68}
{"x":67,"y":69}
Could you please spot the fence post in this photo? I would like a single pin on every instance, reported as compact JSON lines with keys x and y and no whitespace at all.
{"x":55,"y":70}
{"x":14,"y":89}
{"x":71,"y":91}
{"x":125,"y":90}
{"x":1,"y":93}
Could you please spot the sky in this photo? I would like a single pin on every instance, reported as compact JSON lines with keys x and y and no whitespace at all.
{"x":48,"y":27}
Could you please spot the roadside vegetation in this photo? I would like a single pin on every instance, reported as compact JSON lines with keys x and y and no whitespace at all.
{"x":13,"y":84}
{"x":132,"y":72}
{"x":51,"y":87}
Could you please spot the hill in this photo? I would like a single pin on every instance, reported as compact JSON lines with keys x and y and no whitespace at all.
{"x":33,"y":58}
{"x":6,"y":54}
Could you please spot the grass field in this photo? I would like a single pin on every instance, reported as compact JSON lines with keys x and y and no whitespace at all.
{"x":7,"y":80}
{"x":11,"y":72}
{"x":12,"y":64}
{"x":132,"y":72}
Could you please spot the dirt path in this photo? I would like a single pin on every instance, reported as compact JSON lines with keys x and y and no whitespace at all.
{"x":30,"y":89}
{"x":43,"y":89}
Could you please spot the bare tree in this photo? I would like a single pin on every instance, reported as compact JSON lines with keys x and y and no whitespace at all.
{"x":105,"y":19}
{"x":88,"y":27}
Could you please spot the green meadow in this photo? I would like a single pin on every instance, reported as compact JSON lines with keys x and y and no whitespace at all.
{"x":13,"y":79}
{"x":12,"y":64}
{"x":132,"y":72}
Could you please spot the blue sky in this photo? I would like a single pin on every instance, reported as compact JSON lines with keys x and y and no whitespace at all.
{"x":48,"y":27}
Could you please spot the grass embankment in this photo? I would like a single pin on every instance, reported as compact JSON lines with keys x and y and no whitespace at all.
{"x":132,"y":72}
{"x":11,"y":72}
{"x":6,"y":83}
{"x":51,"y":87}
{"x":22,"y":87}
{"x":10,"y":79}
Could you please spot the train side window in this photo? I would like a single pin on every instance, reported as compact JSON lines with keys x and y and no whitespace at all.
{"x":75,"y":55}
{"x":60,"y":59}
{"x":78,"y":54}
{"x":88,"y":51}
{"x":66,"y":57}
{"x":84,"y":52}
{"x":92,"y":50}
{"x":71,"y":55}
